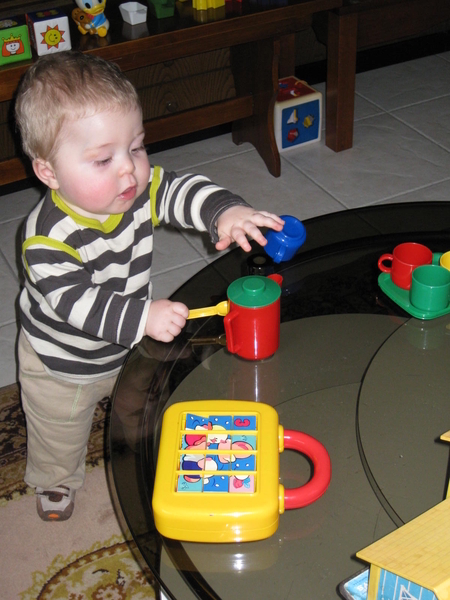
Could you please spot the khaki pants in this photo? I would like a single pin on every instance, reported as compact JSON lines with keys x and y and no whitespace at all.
{"x":59,"y":417}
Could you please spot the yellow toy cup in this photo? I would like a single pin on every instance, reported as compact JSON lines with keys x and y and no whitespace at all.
{"x":444,"y":261}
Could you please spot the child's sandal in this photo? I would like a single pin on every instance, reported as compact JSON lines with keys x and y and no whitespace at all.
{"x":55,"y":504}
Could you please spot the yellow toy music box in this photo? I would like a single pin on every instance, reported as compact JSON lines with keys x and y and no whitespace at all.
{"x":217,"y":476}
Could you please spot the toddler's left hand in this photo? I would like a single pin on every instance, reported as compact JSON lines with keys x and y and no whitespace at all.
{"x":238,"y":222}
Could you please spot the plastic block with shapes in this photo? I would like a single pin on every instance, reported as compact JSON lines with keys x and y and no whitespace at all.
{"x":49,"y":31}
{"x":14,"y":40}
{"x":298,"y":114}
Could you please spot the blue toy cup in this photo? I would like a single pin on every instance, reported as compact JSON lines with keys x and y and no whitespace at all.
{"x":282,"y":245}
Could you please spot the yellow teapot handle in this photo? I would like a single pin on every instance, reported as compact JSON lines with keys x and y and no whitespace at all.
{"x":222,"y":309}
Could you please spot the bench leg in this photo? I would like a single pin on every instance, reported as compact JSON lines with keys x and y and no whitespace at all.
{"x":341,"y":71}
{"x":256,"y":72}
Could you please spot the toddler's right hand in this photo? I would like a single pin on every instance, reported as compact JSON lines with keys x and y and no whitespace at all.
{"x":166,"y":319}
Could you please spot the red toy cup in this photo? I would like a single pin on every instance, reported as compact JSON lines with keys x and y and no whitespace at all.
{"x":252,"y":326}
{"x":404,"y":259}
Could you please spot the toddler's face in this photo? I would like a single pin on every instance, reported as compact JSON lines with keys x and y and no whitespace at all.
{"x":101,"y":165}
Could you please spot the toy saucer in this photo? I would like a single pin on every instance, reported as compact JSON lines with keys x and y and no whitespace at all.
{"x":401,"y":297}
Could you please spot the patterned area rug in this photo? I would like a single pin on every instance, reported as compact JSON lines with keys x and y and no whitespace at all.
{"x":67,"y":560}
{"x":13,"y":445}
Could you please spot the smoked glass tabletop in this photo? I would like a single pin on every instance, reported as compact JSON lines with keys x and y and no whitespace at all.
{"x":353,"y":369}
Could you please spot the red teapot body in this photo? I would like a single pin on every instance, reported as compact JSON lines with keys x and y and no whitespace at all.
{"x":252,"y":325}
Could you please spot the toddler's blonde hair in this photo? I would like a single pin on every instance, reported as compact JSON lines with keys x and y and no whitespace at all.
{"x":66,"y":85}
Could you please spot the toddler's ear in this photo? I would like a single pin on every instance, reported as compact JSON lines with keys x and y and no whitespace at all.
{"x":44,"y":171}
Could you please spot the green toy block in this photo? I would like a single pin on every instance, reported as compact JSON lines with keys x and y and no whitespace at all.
{"x":14,"y":40}
{"x":162,"y":9}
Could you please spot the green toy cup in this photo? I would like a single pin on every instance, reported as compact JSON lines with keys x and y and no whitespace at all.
{"x":430,"y":288}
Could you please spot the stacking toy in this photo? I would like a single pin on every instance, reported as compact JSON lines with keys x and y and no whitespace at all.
{"x":217,"y":476}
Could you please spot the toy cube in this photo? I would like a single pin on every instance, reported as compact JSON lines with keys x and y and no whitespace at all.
{"x":49,"y":31}
{"x":162,"y":9}
{"x":14,"y":40}
{"x":298,"y":114}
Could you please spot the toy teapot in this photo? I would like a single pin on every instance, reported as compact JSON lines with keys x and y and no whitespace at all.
{"x":252,"y":316}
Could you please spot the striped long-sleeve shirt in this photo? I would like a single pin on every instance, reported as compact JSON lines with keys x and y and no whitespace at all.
{"x":87,"y":283}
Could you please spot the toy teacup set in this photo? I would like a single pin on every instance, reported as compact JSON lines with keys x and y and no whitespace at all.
{"x":417,"y":279}
{"x":217,"y":476}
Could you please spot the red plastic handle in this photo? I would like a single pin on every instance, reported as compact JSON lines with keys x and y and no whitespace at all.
{"x":381,"y":264}
{"x":276,"y":277}
{"x":231,"y":345}
{"x":318,"y":484}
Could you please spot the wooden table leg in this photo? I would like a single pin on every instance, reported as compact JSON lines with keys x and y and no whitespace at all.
{"x":286,"y":66}
{"x":341,"y":72}
{"x":255,"y":69}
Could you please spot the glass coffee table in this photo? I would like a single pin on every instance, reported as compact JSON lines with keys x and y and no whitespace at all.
{"x":353,"y":369}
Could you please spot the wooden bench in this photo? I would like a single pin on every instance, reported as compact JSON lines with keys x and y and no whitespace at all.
{"x":190,"y":75}
{"x":360,"y":24}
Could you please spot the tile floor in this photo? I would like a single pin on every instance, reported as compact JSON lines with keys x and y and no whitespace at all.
{"x":401,"y":153}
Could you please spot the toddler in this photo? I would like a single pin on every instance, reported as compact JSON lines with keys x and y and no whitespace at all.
{"x":87,"y":255}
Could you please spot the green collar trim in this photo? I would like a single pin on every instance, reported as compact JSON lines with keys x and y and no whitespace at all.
{"x":106,"y":226}
{"x":154,"y":187}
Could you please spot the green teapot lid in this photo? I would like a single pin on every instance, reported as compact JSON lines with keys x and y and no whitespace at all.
{"x":253,"y":291}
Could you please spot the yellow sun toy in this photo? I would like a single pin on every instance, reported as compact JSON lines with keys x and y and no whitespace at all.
{"x":49,"y":31}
